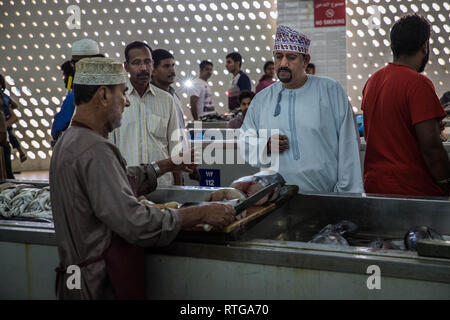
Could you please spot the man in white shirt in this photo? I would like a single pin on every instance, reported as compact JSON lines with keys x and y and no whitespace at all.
{"x":201,"y":98}
{"x":145,"y":135}
{"x":164,"y":75}
{"x":240,"y":81}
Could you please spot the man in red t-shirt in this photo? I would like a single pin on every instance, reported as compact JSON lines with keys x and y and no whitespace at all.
{"x":404,"y":153}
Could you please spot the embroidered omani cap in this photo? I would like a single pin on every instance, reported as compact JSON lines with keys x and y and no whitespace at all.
{"x":288,"y":39}
{"x":99,"y":71}
{"x":85,"y":47}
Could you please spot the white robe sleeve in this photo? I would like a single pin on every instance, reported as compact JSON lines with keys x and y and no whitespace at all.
{"x":349,"y":166}
{"x":252,"y":140}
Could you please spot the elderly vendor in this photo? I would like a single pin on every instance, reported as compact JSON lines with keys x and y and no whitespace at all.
{"x":317,"y":141}
{"x":100,"y":225}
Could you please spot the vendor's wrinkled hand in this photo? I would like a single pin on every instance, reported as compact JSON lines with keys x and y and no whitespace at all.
{"x":181,"y":162}
{"x":277,"y":144}
{"x":218,"y":215}
{"x":186,"y":161}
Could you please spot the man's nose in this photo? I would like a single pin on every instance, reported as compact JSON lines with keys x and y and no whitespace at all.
{"x":284,"y":62}
{"x":127,"y":102}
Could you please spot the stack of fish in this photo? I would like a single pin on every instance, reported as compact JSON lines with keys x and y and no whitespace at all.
{"x":25,"y":201}
{"x":336,"y":234}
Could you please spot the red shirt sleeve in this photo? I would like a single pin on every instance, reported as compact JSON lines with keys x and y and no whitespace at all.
{"x":423,"y":102}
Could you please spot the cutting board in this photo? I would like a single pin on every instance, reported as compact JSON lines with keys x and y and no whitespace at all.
{"x":252,"y":214}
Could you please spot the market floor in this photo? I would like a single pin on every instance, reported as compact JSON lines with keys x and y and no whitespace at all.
{"x":32,"y":175}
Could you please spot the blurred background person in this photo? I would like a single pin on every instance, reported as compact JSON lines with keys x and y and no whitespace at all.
{"x":201,"y":99}
{"x":80,"y":49}
{"x":240,"y":81}
{"x":267,"y":79}
{"x":445,"y":101}
{"x":164,"y":75}
{"x":311,"y":69}
{"x":11,"y":118}
{"x":245,"y":97}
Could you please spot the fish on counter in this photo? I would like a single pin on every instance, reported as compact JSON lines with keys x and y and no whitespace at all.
{"x":384,"y":244}
{"x":329,"y":238}
{"x":24,"y":200}
{"x":342,"y":228}
{"x":418,"y":233}
{"x":249,"y":185}
{"x":169,"y":205}
{"x":334,"y":233}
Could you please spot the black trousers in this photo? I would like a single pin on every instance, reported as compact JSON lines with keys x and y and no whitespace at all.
{"x":7,"y":154}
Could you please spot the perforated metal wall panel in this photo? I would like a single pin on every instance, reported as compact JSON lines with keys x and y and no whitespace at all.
{"x":35,"y":39}
{"x":368,"y":47}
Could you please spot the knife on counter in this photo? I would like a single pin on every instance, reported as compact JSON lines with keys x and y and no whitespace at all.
{"x":250,"y":201}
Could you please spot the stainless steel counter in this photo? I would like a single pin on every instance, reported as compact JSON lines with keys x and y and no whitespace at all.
{"x":272,"y":252}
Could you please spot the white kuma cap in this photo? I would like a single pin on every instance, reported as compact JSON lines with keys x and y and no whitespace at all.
{"x":99,"y":71}
{"x":85,"y":47}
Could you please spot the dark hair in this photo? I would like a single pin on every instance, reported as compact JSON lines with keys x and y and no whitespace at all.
{"x":445,"y":98}
{"x":68,"y":69}
{"x":2,"y":82}
{"x":236,"y":57}
{"x":408,"y":34}
{"x":246,"y":94}
{"x":159,"y":55}
{"x":83,"y":93}
{"x":134,"y":45}
{"x":267,"y":64}
{"x":205,"y":63}
{"x":311,"y":65}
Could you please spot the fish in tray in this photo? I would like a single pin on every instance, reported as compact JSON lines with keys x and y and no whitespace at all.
{"x":342,"y":228}
{"x":384,"y":244}
{"x":22,"y":200}
{"x":329,"y":238}
{"x":15,"y":201}
{"x":334,"y":233}
{"x":418,"y":233}
{"x":169,"y":205}
{"x":7,"y":185}
{"x":249,"y":185}
{"x":41,"y":202}
{"x":42,"y":215}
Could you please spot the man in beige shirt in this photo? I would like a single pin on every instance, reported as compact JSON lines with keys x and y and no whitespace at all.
{"x":150,"y":126}
{"x":100,"y":226}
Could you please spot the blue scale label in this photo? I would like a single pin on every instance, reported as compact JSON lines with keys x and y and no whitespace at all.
{"x":209,"y":177}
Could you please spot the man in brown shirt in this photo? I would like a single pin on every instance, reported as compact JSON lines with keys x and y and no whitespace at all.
{"x":100,"y":225}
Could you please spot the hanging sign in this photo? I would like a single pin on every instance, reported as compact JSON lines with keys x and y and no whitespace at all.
{"x":329,"y":13}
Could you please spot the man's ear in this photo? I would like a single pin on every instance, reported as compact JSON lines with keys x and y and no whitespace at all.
{"x":426,"y":47}
{"x":126,"y":66}
{"x":307,"y":60}
{"x":102,"y":96}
